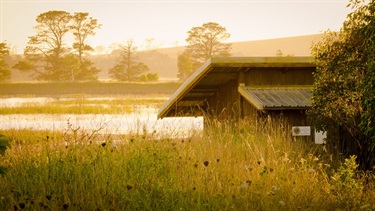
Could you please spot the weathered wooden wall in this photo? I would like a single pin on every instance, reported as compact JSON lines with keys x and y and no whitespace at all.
{"x":279,"y":76}
{"x":225,"y":103}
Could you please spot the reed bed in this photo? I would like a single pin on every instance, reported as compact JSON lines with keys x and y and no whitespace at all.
{"x":245,"y":166}
{"x":81,"y":104}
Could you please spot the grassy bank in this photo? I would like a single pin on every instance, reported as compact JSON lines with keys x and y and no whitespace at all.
{"x":80,"y":104}
{"x":222,"y":169}
{"x":85,"y":88}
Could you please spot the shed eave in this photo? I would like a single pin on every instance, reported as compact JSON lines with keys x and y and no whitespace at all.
{"x":184,"y":88}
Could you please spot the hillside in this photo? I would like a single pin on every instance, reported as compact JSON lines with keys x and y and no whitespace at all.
{"x":164,"y":61}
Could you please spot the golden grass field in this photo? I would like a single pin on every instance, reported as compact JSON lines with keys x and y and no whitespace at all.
{"x":252,"y":167}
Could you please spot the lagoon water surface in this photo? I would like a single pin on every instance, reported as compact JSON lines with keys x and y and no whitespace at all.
{"x":143,"y":119}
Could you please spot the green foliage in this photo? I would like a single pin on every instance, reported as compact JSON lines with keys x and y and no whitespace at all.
{"x":204,"y":42}
{"x":5,"y":72}
{"x":50,"y":58}
{"x":343,"y":94}
{"x":4,"y":144}
{"x":128,"y":68}
{"x":346,"y":186}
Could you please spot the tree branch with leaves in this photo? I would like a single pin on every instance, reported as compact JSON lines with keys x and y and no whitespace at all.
{"x":344,"y":91}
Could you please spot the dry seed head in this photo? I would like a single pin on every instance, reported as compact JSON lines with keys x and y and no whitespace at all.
{"x":311,"y":170}
{"x":22,"y":205}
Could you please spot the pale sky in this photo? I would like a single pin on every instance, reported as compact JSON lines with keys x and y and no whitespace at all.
{"x":168,"y":21}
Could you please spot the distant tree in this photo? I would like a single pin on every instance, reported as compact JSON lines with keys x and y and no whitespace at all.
{"x":208,"y":40}
{"x":49,"y":57}
{"x":149,"y":77}
{"x":280,"y":53}
{"x":344,"y":91}
{"x":128,"y":68}
{"x":184,"y":65}
{"x":153,"y":77}
{"x":99,"y":49}
{"x":45,"y":50}
{"x":204,"y":42}
{"x":5,"y":72}
{"x":82,"y":27}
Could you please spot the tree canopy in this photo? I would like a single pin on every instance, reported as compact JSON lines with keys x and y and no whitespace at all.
{"x":344,"y":91}
{"x":47,"y":54}
{"x":5,"y":72}
{"x":128,"y":68}
{"x":203,"y":42}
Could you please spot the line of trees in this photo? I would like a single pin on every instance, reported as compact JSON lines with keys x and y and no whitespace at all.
{"x":50,"y":58}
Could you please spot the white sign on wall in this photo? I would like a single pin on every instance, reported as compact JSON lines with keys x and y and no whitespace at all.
{"x":301,"y":131}
{"x":320,"y":137}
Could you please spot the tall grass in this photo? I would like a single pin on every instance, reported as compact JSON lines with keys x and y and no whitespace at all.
{"x":251,"y":167}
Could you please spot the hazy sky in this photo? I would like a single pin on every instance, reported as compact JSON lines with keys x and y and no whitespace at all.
{"x":168,"y":21}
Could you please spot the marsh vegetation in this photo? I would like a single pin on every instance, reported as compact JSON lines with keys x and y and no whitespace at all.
{"x":220,"y":169}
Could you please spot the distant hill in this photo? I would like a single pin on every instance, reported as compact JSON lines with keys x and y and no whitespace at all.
{"x":164,"y":61}
{"x":297,"y":46}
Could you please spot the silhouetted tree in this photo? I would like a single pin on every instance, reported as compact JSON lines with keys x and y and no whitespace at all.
{"x":5,"y":72}
{"x":49,"y":57}
{"x":45,"y":50}
{"x":204,"y":42}
{"x":128,"y":68}
{"x":82,"y":27}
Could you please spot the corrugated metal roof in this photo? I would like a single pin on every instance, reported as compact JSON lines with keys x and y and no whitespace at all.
{"x":213,"y":74}
{"x":277,"y":99}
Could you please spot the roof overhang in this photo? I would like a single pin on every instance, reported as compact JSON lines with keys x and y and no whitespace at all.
{"x":191,"y":96}
{"x":283,"y":98}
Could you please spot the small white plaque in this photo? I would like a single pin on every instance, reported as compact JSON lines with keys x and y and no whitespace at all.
{"x":301,"y":131}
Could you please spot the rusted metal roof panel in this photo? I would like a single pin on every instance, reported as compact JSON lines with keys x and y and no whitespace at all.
{"x":277,"y":99}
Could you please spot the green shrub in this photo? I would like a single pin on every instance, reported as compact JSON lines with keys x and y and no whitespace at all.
{"x":4,"y":144}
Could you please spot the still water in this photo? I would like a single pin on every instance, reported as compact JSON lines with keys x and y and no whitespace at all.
{"x":143,"y":119}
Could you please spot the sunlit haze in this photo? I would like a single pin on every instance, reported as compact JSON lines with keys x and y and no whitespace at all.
{"x":167,"y":22}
